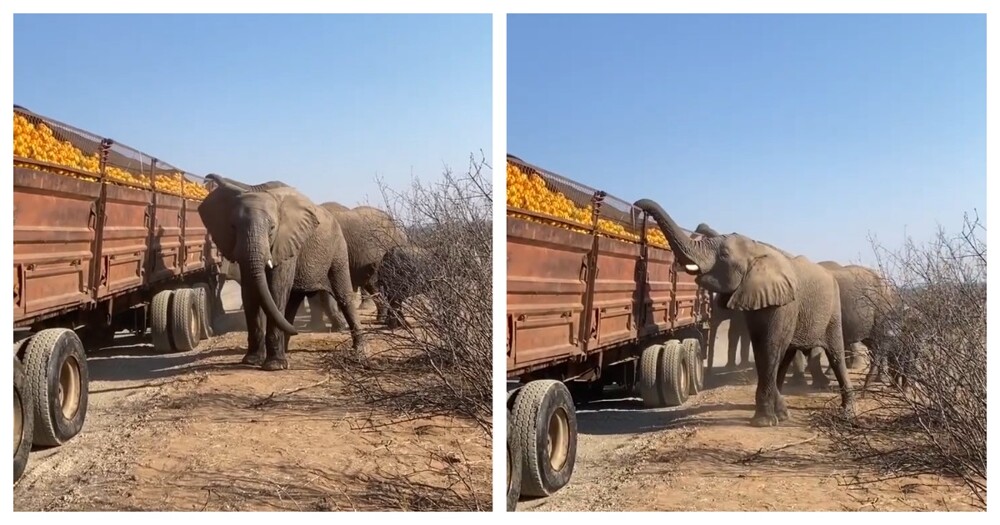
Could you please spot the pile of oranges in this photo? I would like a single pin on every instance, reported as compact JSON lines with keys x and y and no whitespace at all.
{"x":528,"y":191}
{"x":35,"y":140}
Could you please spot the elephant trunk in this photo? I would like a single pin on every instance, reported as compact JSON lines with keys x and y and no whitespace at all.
{"x":255,"y":261}
{"x":688,"y":251}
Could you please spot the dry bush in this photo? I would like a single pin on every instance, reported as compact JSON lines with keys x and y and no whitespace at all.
{"x":439,"y":362}
{"x":930,"y":416}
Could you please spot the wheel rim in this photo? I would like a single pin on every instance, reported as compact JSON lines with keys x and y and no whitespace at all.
{"x":684,"y":379}
{"x":195,"y":321}
{"x":18,"y":421}
{"x":558,"y":438}
{"x":69,"y":387}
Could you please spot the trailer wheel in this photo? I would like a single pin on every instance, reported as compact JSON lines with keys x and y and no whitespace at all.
{"x":159,"y":322}
{"x":514,"y":467}
{"x":545,"y":428}
{"x":674,"y":376}
{"x":649,"y":388}
{"x":24,"y":420}
{"x":185,"y":320}
{"x":205,"y":313}
{"x":56,"y":373}
{"x":697,"y":370}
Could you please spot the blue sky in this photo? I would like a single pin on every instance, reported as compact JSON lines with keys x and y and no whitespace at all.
{"x":323,"y":102}
{"x":807,"y":132}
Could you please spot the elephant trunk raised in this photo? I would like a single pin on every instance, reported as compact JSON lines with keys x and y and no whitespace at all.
{"x":697,"y":256}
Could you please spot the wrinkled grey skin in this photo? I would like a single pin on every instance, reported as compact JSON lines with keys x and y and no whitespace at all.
{"x":738,"y":335}
{"x":867,"y":301}
{"x":790,"y":304}
{"x":370,"y":233}
{"x":286,"y":247}
{"x":403,"y":273}
{"x":799,"y":362}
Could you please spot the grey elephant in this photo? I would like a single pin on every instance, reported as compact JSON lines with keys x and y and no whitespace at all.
{"x":405,"y":271}
{"x":286,"y":247}
{"x":370,"y":233}
{"x":737,"y":335}
{"x":790,"y":304}
{"x":800,"y":362}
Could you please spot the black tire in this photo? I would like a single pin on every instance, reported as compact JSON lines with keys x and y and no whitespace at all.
{"x":24,"y":420}
{"x":696,"y":371}
{"x":648,"y":370}
{"x":185,"y":321}
{"x":159,"y":321}
{"x":514,"y":467}
{"x":205,"y":312}
{"x":543,"y":414}
{"x":673,"y":374}
{"x":56,"y":372}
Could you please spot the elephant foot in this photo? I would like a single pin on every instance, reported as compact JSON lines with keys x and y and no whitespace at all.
{"x":821,"y":383}
{"x":849,"y":412}
{"x":764,"y":420}
{"x":252,"y":359}
{"x":275,"y":363}
{"x":796,"y":381}
{"x":781,"y":414}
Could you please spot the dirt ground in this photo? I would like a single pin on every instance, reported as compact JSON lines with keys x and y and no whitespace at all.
{"x":199,"y":431}
{"x":704,"y":456}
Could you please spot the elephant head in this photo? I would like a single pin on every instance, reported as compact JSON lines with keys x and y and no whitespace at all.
{"x":259,"y":227}
{"x":747,"y":274}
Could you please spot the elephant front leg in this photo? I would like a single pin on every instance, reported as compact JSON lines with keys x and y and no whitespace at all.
{"x":815,"y":363}
{"x":340,"y":282}
{"x":316,"y":309}
{"x":835,"y":354}
{"x":256,"y":322}
{"x":368,"y":294}
{"x":769,"y":348}
{"x":337,"y":321}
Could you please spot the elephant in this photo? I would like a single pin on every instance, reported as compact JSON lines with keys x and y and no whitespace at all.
{"x":790,"y":303}
{"x":800,"y":362}
{"x":403,"y":273}
{"x":288,"y":247}
{"x":370,"y":233}
{"x":866,"y":302}
{"x":738,"y":335}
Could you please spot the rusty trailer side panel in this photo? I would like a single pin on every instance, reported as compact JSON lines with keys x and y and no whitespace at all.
{"x":616,"y":291}
{"x":78,"y":243}
{"x":54,"y":232}
{"x":658,"y":293}
{"x":125,"y":238}
{"x":550,"y":283}
{"x":546,"y":286}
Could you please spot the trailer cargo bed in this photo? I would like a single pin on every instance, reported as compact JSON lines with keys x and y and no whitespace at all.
{"x":590,"y":303}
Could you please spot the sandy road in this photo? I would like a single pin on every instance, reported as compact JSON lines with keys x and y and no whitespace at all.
{"x":199,"y":431}
{"x":704,"y":456}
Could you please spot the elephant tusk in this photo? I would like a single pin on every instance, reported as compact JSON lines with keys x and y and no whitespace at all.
{"x":270,"y":264}
{"x":691,"y":267}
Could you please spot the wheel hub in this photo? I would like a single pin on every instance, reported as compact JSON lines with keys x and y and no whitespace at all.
{"x":558,"y":438}
{"x":69,"y":387}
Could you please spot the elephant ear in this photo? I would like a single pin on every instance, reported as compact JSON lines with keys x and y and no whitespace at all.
{"x":297,"y":220}
{"x":769,"y":282}
{"x":216,"y":212}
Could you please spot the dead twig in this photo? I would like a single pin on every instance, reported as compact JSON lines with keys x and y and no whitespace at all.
{"x":767,"y":450}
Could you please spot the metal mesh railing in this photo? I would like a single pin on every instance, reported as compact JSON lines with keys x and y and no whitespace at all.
{"x":45,"y":144}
